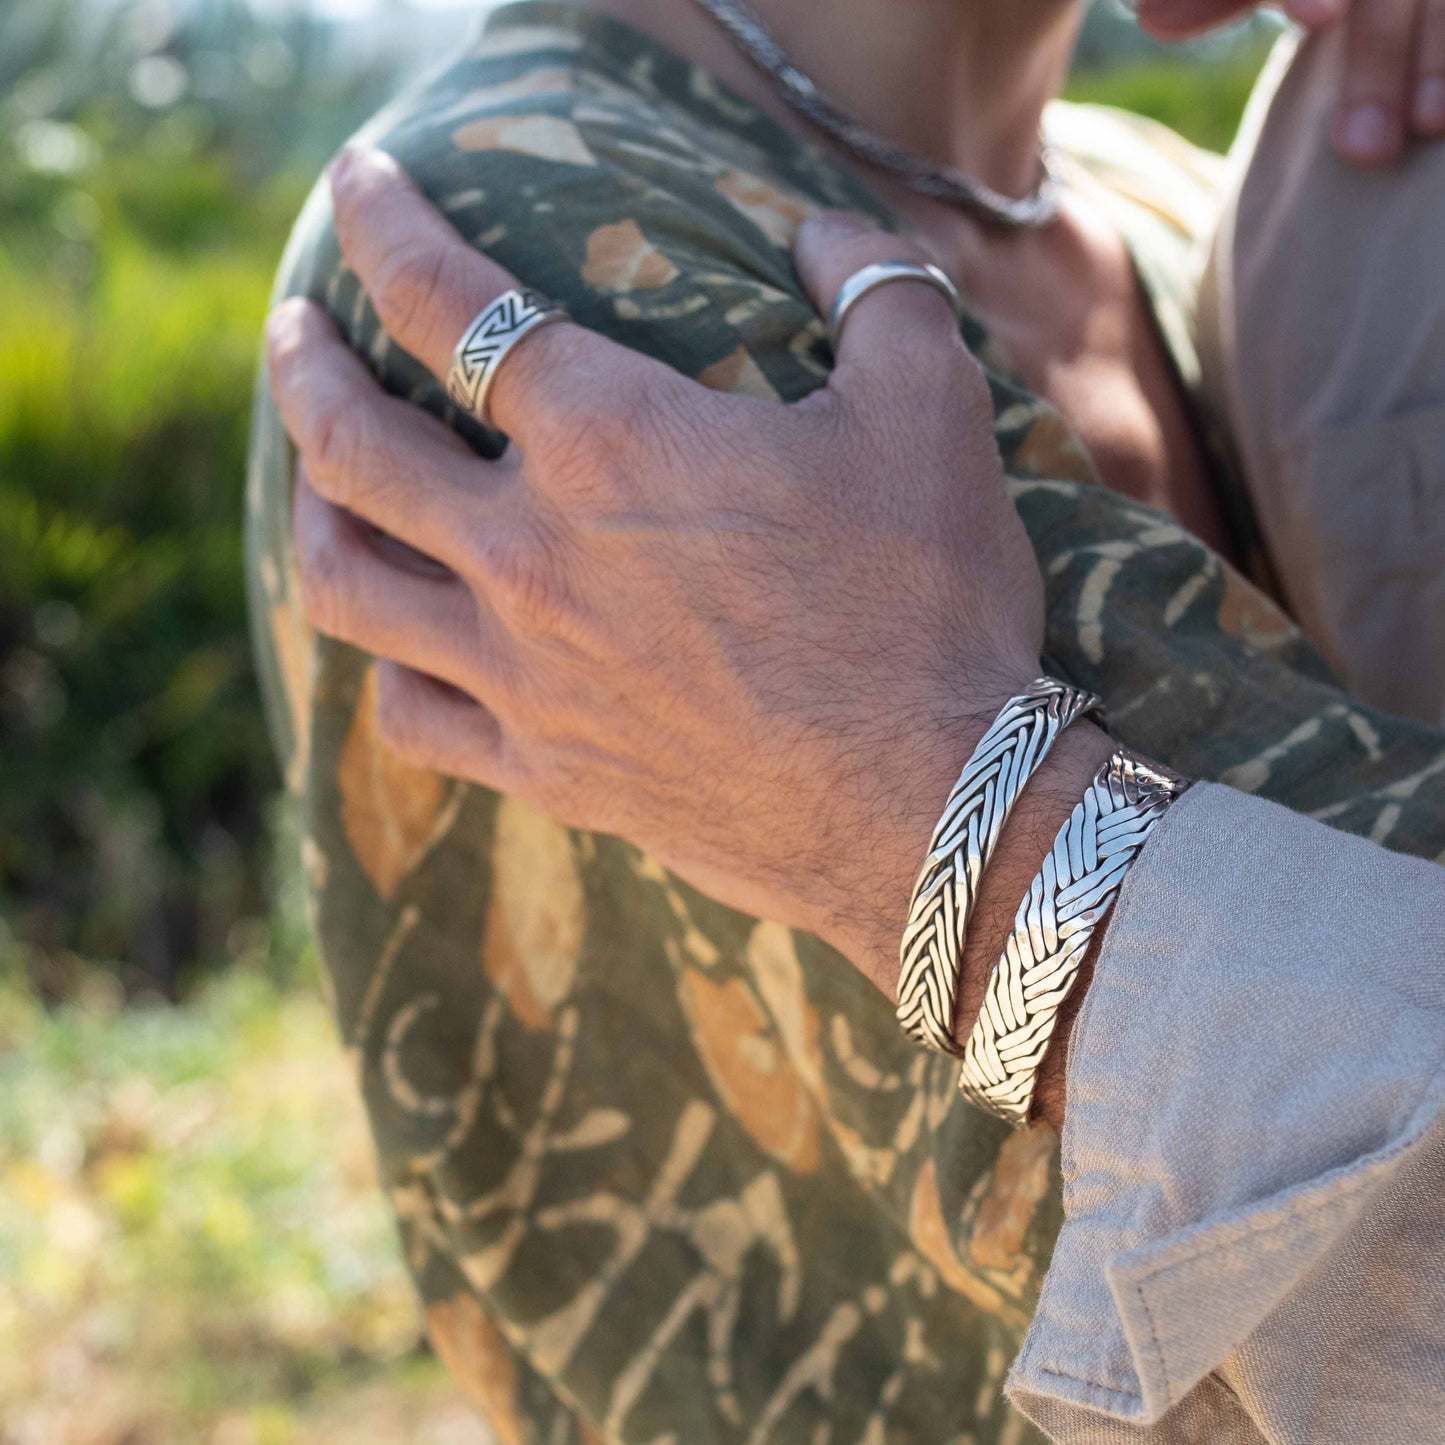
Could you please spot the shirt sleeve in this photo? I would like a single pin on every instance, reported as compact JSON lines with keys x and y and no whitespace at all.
{"x":1253,"y":1148}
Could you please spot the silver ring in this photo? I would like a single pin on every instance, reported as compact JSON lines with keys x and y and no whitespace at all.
{"x":497,"y":329}
{"x":880,"y":273}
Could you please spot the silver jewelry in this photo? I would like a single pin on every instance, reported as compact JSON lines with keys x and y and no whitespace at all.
{"x":880,"y":273}
{"x":497,"y":329}
{"x":995,"y":775}
{"x":942,"y":182}
{"x":1053,"y":928}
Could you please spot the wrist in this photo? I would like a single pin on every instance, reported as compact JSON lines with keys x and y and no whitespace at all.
{"x":1051,"y":796}
{"x":865,"y":905}
{"x":870,"y":928}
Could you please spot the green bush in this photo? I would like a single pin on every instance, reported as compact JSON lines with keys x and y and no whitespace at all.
{"x":135,"y":758}
{"x":138,"y":238}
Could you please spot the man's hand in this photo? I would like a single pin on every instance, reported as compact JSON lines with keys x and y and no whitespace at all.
{"x":1393,"y":85}
{"x":758,"y":640}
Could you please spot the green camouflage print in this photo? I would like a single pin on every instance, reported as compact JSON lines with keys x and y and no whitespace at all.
{"x":665,"y":1173}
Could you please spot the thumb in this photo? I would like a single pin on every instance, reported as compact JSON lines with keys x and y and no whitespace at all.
{"x":902,"y":314}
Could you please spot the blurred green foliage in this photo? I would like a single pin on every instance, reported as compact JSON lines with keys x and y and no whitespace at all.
{"x":192,"y":1243}
{"x":1202,"y":102}
{"x":149,"y":168}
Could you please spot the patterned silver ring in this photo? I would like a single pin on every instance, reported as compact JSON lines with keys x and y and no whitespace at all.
{"x":880,"y":273}
{"x":485,"y":343}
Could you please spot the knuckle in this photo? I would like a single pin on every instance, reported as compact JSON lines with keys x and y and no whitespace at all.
{"x":643,"y":422}
{"x":290,"y":328}
{"x":410,"y":281}
{"x":531,"y":375}
{"x":565,"y":347}
{"x":588,"y":458}
{"x":615,"y":425}
{"x":397,"y":717}
{"x":338,"y":438}
{"x":521,"y":583}
{"x":322,"y":585}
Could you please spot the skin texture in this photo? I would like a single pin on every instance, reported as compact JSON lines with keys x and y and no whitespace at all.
{"x":779,"y":698}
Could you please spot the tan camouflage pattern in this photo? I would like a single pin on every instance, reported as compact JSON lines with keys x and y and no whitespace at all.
{"x":665,"y":1173}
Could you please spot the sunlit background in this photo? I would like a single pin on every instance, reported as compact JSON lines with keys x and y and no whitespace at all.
{"x":190,"y":1245}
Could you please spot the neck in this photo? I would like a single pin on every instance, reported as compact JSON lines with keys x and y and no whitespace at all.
{"x":964,"y":82}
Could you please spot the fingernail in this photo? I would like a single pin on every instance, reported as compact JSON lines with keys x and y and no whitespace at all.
{"x":1371,"y":132}
{"x":1429,"y":109}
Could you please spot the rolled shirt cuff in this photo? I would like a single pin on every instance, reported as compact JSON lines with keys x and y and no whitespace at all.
{"x":1255,"y":1068}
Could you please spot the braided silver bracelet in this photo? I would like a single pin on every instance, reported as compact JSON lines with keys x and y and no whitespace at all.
{"x":963,"y":842}
{"x":1052,"y":930}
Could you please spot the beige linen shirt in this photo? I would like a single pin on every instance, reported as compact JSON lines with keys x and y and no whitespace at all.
{"x":1322,"y":341}
{"x":1254,"y":1148}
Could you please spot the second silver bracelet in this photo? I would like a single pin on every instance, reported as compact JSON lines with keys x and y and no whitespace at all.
{"x":1073,"y":890}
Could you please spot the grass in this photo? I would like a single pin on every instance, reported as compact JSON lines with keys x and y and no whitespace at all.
{"x":192,"y":1245}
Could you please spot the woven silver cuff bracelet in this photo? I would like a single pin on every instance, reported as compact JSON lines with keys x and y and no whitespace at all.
{"x":962,"y":844}
{"x":1052,"y":930}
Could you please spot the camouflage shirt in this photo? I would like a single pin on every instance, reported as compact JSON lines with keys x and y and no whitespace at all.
{"x":664,"y":1172}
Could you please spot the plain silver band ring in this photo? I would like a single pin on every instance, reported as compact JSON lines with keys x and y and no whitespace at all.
{"x":880,"y":273}
{"x":498,"y":327}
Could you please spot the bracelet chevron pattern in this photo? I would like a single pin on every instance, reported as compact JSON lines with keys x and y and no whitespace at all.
{"x":995,"y":775}
{"x":1052,"y":930}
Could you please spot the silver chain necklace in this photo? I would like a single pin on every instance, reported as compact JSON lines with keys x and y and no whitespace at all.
{"x":942,"y":182}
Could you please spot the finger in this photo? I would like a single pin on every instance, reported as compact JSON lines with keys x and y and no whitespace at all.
{"x":390,"y":465}
{"x":348,"y":592}
{"x":1427,"y":114}
{"x":896,"y":335}
{"x":428,"y":285}
{"x":381,"y":458}
{"x":1369,"y":124}
{"x":431,"y":725}
{"x":830,"y":246}
{"x":1315,"y":14}
{"x":1181,"y":19}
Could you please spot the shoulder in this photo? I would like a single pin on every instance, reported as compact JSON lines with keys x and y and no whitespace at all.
{"x":1142,"y":163}
{"x":615,"y":176}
